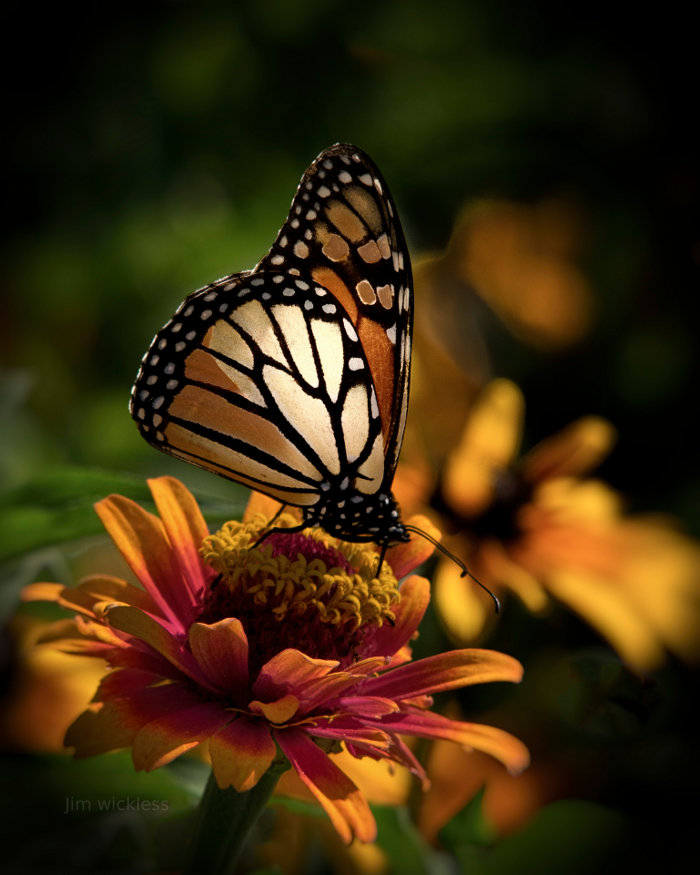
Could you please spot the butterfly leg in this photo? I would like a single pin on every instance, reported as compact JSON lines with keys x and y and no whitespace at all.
{"x":382,"y":554}
{"x":281,"y":530}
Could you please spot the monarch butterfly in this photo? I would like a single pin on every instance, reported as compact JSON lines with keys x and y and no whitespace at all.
{"x":293,"y":378}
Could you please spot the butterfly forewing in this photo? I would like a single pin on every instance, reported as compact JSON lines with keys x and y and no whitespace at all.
{"x":293,"y":378}
{"x":343,"y":231}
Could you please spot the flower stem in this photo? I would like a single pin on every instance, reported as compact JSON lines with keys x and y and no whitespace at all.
{"x":224,"y":820}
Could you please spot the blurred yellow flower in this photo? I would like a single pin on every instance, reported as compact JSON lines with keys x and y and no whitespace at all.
{"x":522,"y":261}
{"x":506,"y":264}
{"x":49,"y":690}
{"x":541,"y":529}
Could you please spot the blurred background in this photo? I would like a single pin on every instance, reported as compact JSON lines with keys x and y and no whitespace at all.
{"x":545,"y":165}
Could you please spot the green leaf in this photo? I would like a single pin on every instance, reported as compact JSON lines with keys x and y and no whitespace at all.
{"x":570,"y":836}
{"x":400,"y":839}
{"x":58,"y":506}
{"x":470,"y":826}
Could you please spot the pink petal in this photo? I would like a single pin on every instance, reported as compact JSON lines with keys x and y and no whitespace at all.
{"x":367,"y":735}
{"x":445,"y":671}
{"x":145,"y":628}
{"x":368,"y":706}
{"x":241,"y":753}
{"x":327,"y":689}
{"x":342,"y":801}
{"x":221,"y":650}
{"x":110,"y":725}
{"x":164,"y":739}
{"x":123,"y":681}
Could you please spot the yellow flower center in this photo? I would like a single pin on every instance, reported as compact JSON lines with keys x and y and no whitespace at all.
{"x":306,"y":590}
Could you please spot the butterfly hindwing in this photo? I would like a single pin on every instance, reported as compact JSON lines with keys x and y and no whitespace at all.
{"x":293,"y":378}
{"x":261,"y":378}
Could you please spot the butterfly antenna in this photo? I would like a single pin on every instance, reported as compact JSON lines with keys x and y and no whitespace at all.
{"x":465,"y":571}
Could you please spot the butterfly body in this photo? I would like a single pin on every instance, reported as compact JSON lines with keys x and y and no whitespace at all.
{"x":293,"y":378}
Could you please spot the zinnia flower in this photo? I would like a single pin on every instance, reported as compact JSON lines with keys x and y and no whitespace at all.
{"x":540,"y":528}
{"x":268,"y":652}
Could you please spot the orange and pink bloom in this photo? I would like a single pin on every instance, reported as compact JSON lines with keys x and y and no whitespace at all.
{"x":266,"y":652}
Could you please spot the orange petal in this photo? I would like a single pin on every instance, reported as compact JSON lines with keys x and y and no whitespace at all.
{"x":489,"y":444}
{"x":575,"y":450}
{"x":221,"y":649}
{"x":262,"y":504}
{"x":289,"y":671}
{"x":276,"y":712}
{"x":67,"y":597}
{"x":610,"y":611}
{"x":99,"y":729}
{"x":103,"y":588}
{"x":142,"y":541}
{"x":342,"y":801}
{"x":495,"y":564}
{"x":185,"y":528}
{"x":387,"y":639}
{"x":405,"y":558}
{"x":445,"y":671}
{"x":499,"y":744}
{"x":164,"y":739}
{"x":241,"y":753}
{"x":41,"y":592}
{"x":460,"y":603}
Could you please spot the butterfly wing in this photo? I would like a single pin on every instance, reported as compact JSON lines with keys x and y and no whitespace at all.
{"x":344,"y":233}
{"x":262,"y":379}
{"x":293,"y":378}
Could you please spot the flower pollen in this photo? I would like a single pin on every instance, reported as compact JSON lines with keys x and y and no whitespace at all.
{"x":304,"y":590}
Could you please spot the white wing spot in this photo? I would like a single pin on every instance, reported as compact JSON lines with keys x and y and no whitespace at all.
{"x":350,"y":329}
